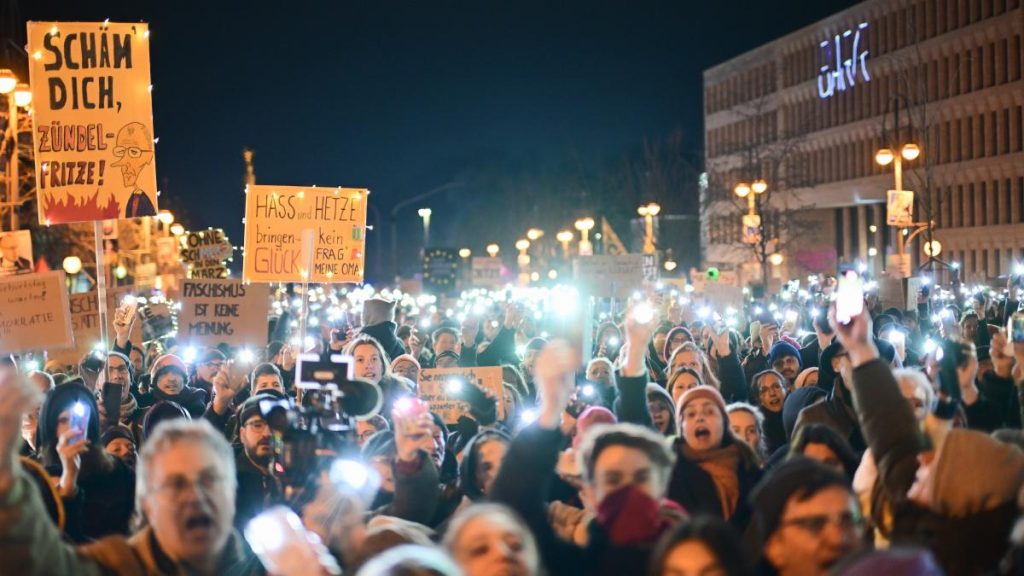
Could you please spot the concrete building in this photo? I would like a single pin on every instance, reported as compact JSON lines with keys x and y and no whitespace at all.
{"x":807,"y":113}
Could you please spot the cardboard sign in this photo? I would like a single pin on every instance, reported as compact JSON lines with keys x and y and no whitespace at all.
{"x":276,"y":217}
{"x":487,"y":273}
{"x":610,"y":276}
{"x":34,"y":313}
{"x":15,"y":252}
{"x":215,"y":311}
{"x":650,"y":269}
{"x":157,"y":321}
{"x":93,"y":121}
{"x":206,"y":253}
{"x":85,"y":322}
{"x":434,"y":387}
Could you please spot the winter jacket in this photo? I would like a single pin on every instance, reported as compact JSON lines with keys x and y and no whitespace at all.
{"x":29,"y":540}
{"x":732,"y":376}
{"x":755,"y":362}
{"x":501,"y":350}
{"x":256,"y":490}
{"x":694,"y":490}
{"x":193,"y":400}
{"x":522,"y":485}
{"x":972,"y":533}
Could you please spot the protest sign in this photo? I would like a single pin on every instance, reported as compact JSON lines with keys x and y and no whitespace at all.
{"x":435,"y":388}
{"x":275,"y":218}
{"x":85,"y":322}
{"x":215,"y":311}
{"x":34,"y":313}
{"x":487,"y":273}
{"x":157,"y":320}
{"x":205,"y":253}
{"x":15,"y":252}
{"x":92,"y":120}
{"x":610,"y":276}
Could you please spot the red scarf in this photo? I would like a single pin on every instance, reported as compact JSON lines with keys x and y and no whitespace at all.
{"x":630,"y":516}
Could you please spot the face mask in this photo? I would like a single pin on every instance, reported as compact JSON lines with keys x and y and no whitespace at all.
{"x":630,"y":516}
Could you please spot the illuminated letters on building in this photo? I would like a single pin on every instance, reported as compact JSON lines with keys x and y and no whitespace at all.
{"x":837,"y":74}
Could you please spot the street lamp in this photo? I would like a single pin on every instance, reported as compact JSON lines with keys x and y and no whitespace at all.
{"x":492,"y":250}
{"x":523,"y":260}
{"x":534,"y":233}
{"x":166,"y":217}
{"x":776,"y":259}
{"x":753,"y":232}
{"x":72,"y":265}
{"x":465,"y":253}
{"x":649,"y":211}
{"x":425,"y":214}
{"x":177,"y":229}
{"x":7,"y":81}
{"x":585,"y":225}
{"x":22,"y":95}
{"x":564,"y":236}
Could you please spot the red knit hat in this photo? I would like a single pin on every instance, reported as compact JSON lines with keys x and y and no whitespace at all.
{"x":706,"y":392}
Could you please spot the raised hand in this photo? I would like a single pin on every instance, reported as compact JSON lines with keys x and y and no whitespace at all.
{"x":855,"y":336}
{"x":413,"y":431}
{"x":225,"y":388}
{"x":17,"y":398}
{"x":639,"y":329}
{"x":70,"y":452}
{"x":554,"y":373}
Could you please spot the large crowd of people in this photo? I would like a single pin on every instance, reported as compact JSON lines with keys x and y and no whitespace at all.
{"x":767,"y":438}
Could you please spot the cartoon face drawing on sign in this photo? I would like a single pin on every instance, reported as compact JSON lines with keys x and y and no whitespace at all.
{"x":133,"y":151}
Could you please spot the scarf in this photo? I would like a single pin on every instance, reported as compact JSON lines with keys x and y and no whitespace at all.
{"x":720,"y":464}
{"x":630,"y":516}
{"x":128,"y":405}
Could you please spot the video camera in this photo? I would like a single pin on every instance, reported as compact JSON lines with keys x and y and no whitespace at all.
{"x":312,"y":433}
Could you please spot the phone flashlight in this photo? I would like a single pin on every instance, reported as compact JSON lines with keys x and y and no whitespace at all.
{"x":245,"y":356}
{"x":352,"y":475}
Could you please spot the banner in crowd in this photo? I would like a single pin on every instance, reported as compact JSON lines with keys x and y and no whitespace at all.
{"x":34,"y":313}
{"x":440,"y":388}
{"x":92,"y":120}
{"x":276,"y":218}
{"x":85,"y":322}
{"x":15,"y":252}
{"x":206,"y":253}
{"x":487,"y":273}
{"x":215,"y":311}
{"x":610,"y":276}
{"x":440,"y":270}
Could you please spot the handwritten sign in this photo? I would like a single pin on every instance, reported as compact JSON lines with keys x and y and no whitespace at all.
{"x":93,"y":121}
{"x":206,"y":253}
{"x":610,"y":276}
{"x":34,"y":313}
{"x":15,"y":252}
{"x":276,"y":218}
{"x":487,"y":273}
{"x":836,"y":73}
{"x":215,"y":311}
{"x":437,"y":387}
{"x":85,"y":322}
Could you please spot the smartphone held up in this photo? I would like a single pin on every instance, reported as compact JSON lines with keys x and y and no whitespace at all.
{"x":849,"y":296}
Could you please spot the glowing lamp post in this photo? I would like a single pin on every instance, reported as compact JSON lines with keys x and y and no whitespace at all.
{"x":585,"y":225}
{"x":649,"y":211}
{"x":565,"y":237}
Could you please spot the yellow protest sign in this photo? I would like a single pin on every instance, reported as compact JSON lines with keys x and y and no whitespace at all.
{"x":34,"y":313}
{"x":441,"y":388}
{"x":277,"y":218}
{"x":92,"y":121}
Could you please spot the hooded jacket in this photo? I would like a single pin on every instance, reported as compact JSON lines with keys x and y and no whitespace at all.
{"x":656,"y":393}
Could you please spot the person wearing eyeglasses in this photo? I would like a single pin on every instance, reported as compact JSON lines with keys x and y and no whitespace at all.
{"x":133,"y":151}
{"x":806,"y":519}
{"x":257,"y":488}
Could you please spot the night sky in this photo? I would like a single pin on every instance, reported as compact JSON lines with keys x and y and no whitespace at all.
{"x":404,"y":96}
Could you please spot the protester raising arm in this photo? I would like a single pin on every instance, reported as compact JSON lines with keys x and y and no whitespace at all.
{"x":502,"y":350}
{"x":730,"y":372}
{"x":417,"y":488}
{"x":530,"y":461}
{"x":225,"y":388}
{"x":632,"y":377}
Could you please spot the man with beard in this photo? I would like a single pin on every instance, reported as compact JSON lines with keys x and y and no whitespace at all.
{"x":784,"y":358}
{"x":257,"y":488}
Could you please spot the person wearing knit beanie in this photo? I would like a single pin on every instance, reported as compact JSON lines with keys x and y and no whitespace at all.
{"x":714,"y":472}
{"x":407,"y":366}
{"x":119,"y":442}
{"x":806,"y":519}
{"x":784,"y":358}
{"x":676,"y":337}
